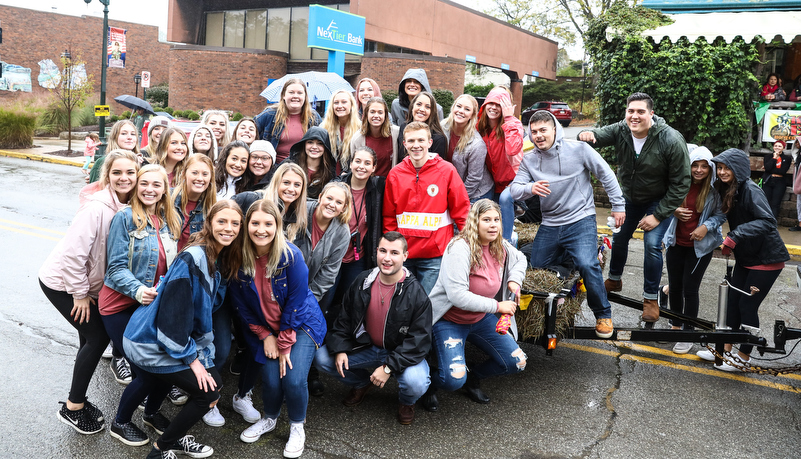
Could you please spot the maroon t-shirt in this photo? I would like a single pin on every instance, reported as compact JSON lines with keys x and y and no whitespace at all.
{"x":376,"y":316}
{"x":683,"y":229}
{"x":452,"y":145}
{"x":383,"y":151}
{"x":190,"y":206}
{"x":358,"y":221}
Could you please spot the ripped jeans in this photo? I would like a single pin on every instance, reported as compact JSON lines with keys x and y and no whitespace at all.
{"x":505,"y":356}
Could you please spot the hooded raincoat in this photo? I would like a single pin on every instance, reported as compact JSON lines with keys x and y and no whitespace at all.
{"x":400,"y":106}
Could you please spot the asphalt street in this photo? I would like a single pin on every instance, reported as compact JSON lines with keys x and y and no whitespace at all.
{"x":591,"y":399}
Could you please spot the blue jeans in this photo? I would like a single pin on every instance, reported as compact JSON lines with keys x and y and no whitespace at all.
{"x":426,"y":270}
{"x":580,"y":241}
{"x":449,"y":338}
{"x":507,"y":204}
{"x":293,"y":386}
{"x":652,"y":257}
{"x":412,"y":382}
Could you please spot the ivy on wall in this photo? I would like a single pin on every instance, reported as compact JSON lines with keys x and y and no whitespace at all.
{"x":704,"y":90}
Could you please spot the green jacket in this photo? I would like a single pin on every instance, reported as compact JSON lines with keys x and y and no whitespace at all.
{"x":661,"y":173}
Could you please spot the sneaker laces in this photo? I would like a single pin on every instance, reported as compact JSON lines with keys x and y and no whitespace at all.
{"x":169,"y":454}
{"x":296,"y":437}
{"x":122,"y":368}
{"x":188,"y":442}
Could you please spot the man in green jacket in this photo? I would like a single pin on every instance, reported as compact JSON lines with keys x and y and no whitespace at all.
{"x":654,"y":173}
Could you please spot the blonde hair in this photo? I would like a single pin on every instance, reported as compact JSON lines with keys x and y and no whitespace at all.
{"x":112,"y":156}
{"x":344,"y":217}
{"x":470,"y":234}
{"x":161,"y":154}
{"x":331,"y":124}
{"x":164,"y":210}
{"x":470,"y":129}
{"x":278,"y":248}
{"x":209,"y":197}
{"x":282,"y":112}
{"x":298,"y":206}
{"x":115,"y":132}
{"x":226,"y":135}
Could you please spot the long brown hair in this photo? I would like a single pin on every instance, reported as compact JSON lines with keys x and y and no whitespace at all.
{"x":386,"y":128}
{"x":282,"y":112}
{"x":228,"y":259}
{"x":705,"y":186}
{"x":470,"y":234}
{"x":209,"y":197}
{"x":108,"y":163}
{"x":161,"y":154}
{"x":727,"y":192}
{"x":433,"y":117}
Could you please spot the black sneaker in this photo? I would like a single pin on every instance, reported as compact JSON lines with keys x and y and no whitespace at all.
{"x":83,"y":420}
{"x":93,"y":411}
{"x":177,"y":396}
{"x":158,"y":454}
{"x":142,"y":405}
{"x":662,"y":299}
{"x":187,"y":445}
{"x":157,"y":421}
{"x":121,"y":370}
{"x":238,"y":362}
{"x":128,"y":433}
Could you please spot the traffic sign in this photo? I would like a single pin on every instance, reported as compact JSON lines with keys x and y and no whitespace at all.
{"x":102,"y":110}
{"x":145,"y":79}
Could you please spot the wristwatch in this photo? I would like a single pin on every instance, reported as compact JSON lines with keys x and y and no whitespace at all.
{"x":387,"y":370}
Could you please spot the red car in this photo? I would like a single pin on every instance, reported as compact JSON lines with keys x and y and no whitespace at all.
{"x":560,"y":110}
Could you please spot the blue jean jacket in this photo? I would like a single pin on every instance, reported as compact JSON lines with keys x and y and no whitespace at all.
{"x":196,"y":217}
{"x":133,"y":255}
{"x":265,"y":121}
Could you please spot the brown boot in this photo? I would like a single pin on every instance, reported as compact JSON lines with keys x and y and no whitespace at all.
{"x":405,"y":414}
{"x":650,"y":311}
{"x":356,"y":395}
{"x":613,"y":285}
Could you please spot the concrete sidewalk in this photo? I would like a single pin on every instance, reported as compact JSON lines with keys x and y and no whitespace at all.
{"x":43,"y":146}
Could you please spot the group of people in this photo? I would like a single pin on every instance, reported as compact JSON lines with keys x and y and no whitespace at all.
{"x":303,"y":245}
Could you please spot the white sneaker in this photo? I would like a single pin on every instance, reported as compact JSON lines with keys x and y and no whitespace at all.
{"x":683,"y":348}
{"x":109,"y":352}
{"x":297,"y":438}
{"x":725,"y":366}
{"x":244,"y":406}
{"x":706,"y":354}
{"x":254,"y":432}
{"x":214,"y":418}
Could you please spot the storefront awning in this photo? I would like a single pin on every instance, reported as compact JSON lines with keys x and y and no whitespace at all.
{"x":783,"y":25}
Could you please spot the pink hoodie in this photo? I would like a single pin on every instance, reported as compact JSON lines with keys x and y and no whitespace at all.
{"x":503,"y":155}
{"x":78,"y":263}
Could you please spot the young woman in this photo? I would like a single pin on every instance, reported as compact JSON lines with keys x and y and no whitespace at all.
{"x":342,"y":123}
{"x":170,"y":340}
{"x":172,"y":153}
{"x":483,"y":278}
{"x":72,"y":276}
{"x":772,"y":90}
{"x":503,"y":134}
{"x":201,"y":140}
{"x":313,"y":154}
{"x":797,"y":182}
{"x":466,"y":149}
{"x":261,"y":164}
{"x":141,"y":246}
{"x":217,"y":121}
{"x":195,"y":196}
{"x":378,"y":134}
{"x":231,"y":167}
{"x":422,"y":110}
{"x":773,"y":184}
{"x":155,"y":127}
{"x":122,"y":137}
{"x":693,"y":234}
{"x":246,"y":131}
{"x":284,"y":325}
{"x":285,"y":125}
{"x":366,"y":89}
{"x":759,"y":251}
{"x":413,"y":82}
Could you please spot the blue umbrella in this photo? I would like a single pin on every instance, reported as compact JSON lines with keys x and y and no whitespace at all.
{"x":319,"y":86}
{"x":134,"y":103}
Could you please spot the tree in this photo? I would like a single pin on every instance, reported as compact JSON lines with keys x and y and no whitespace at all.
{"x":76,"y":86}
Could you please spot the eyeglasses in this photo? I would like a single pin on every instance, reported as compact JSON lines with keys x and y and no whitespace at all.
{"x":263,"y":159}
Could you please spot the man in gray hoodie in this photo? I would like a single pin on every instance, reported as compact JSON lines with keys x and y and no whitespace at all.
{"x":558,"y":171}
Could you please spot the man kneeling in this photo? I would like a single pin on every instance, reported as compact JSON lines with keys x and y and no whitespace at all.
{"x":383,"y":329}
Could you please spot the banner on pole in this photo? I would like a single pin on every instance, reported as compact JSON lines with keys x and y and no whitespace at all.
{"x":117,"y":47}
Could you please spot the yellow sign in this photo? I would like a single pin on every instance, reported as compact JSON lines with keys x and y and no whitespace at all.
{"x":102,"y":110}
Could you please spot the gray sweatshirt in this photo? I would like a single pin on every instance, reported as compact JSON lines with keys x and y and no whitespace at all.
{"x":566,"y":166}
{"x":471,"y":164}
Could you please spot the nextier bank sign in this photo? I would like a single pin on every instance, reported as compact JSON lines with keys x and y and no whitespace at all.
{"x":335,"y":30}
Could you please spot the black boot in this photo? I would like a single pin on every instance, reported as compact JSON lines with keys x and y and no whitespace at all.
{"x":316,"y":387}
{"x":473,"y":390}
{"x":429,"y":400}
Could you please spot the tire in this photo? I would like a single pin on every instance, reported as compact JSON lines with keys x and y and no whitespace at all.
{"x":565,"y":123}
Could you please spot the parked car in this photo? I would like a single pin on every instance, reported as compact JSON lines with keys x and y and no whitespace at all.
{"x":560,"y":110}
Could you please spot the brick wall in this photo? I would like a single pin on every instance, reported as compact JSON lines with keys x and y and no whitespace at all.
{"x":387,"y":69}
{"x":30,"y":36}
{"x":203,"y":77}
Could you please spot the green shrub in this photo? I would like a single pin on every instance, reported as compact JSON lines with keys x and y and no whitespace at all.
{"x":126,"y":114}
{"x":445,"y":99}
{"x":159,"y":94}
{"x":478,"y":90}
{"x":113,"y":119}
{"x":16,"y":129}
{"x":84,"y":116}
{"x":192,"y":115}
{"x":389,"y":96}
{"x":237,"y":116}
{"x":169,"y":110}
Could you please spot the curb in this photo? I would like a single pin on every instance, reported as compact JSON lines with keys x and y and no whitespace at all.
{"x":41,"y":158}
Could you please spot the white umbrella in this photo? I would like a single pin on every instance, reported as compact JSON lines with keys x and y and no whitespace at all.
{"x":319,"y":86}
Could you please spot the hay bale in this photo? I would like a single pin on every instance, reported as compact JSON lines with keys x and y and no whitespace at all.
{"x":525,"y":232}
{"x":531,"y":321}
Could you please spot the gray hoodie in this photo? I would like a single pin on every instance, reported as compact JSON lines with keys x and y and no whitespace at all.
{"x":400,"y":106}
{"x":471,"y":164}
{"x":325,"y":259}
{"x":566,"y":166}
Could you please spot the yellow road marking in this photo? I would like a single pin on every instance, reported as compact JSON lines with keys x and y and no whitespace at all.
{"x":25,"y":225}
{"x":705,"y":371}
{"x":29,"y":233}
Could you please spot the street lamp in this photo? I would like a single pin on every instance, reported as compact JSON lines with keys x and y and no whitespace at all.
{"x":101,"y":150}
{"x":137,"y":80}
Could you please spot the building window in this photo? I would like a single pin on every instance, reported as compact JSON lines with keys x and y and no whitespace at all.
{"x":234,"y":36}
{"x":256,"y":29}
{"x":214,"y":29}
{"x":278,"y":29}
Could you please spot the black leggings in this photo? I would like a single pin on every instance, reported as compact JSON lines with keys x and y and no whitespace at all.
{"x":742,"y":309}
{"x":774,"y":188}
{"x":685,"y":273}
{"x":92,"y":340}
{"x":199,"y":402}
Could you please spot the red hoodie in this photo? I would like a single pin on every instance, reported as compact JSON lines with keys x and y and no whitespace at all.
{"x":503,"y":155}
{"x":424,"y":205}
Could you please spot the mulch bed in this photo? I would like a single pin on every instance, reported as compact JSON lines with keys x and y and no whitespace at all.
{"x":67,"y":153}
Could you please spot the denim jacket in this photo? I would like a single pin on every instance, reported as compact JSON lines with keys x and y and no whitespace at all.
{"x":133,"y":255}
{"x":265,"y":121}
{"x":196,"y":217}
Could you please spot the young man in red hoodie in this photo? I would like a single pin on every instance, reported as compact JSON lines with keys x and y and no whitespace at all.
{"x":423,"y":198}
